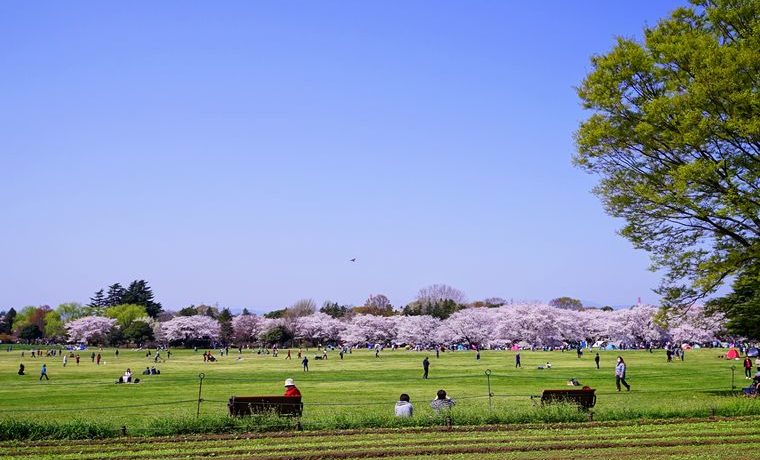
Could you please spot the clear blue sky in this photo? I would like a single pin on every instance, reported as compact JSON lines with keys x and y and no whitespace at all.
{"x":242,"y":152}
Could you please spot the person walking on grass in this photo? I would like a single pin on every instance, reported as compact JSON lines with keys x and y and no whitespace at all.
{"x":43,"y":372}
{"x":596,"y":359}
{"x":517,"y":360}
{"x":747,"y":368}
{"x":620,"y":374}
{"x":305,"y":363}
{"x":425,"y":367}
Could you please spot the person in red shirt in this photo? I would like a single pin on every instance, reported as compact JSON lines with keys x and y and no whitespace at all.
{"x":290,"y":389}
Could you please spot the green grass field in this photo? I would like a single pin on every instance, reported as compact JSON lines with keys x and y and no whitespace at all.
{"x":360,"y":391}
{"x":685,"y":439}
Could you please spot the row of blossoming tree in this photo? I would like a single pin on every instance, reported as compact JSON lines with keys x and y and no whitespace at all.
{"x":525,"y":324}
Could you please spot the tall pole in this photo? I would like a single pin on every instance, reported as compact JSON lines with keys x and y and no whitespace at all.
{"x":490,"y":394}
{"x":201,"y":376}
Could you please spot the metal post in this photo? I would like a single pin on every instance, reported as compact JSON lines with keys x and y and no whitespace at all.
{"x":201,"y":376}
{"x":490,"y":394}
{"x":733,"y":371}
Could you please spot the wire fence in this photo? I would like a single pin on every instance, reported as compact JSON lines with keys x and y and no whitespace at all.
{"x":486,"y":377}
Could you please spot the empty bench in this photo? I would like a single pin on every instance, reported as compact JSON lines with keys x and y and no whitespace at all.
{"x":258,"y":405}
{"x":584,"y":398}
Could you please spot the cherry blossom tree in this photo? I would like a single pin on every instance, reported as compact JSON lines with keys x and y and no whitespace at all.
{"x":246,"y":328}
{"x":473,"y":326}
{"x":90,"y":329}
{"x":417,"y":330}
{"x":637,"y":325}
{"x":196,"y":327}
{"x":363,"y":329}
{"x":319,"y":327}
{"x":695,"y":326}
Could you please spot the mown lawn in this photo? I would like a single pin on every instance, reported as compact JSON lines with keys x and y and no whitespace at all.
{"x":361,"y":390}
{"x":689,"y":439}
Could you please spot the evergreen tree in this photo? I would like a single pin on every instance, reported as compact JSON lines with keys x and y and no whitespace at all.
{"x":98,"y":301}
{"x":6,"y":321}
{"x":225,"y":325}
{"x":246,"y":312}
{"x":115,"y":295}
{"x":139,"y":293}
{"x":188,"y":311}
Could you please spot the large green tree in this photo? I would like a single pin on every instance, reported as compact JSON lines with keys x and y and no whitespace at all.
{"x":139,"y":293}
{"x":225,"y":325}
{"x":675,"y":139}
{"x":114,"y":297}
{"x":125,"y":314}
{"x":6,"y":321}
{"x":742,"y":306}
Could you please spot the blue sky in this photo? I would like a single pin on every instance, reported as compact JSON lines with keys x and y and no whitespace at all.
{"x":241,"y":152}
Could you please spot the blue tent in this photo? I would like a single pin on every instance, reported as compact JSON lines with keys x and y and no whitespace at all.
{"x":753,"y":352}
{"x":611,"y":347}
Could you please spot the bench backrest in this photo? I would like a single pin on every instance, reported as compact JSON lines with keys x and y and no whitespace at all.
{"x":280,"y":405}
{"x":584,"y":398}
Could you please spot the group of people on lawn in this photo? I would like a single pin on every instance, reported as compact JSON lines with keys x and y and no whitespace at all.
{"x":404,"y":407}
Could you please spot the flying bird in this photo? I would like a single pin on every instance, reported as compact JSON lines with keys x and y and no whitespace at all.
{"x":352,"y":260}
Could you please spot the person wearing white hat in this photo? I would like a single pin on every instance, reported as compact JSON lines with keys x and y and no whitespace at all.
{"x":290,"y":389}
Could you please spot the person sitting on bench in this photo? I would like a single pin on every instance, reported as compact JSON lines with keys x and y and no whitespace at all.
{"x":290,"y":389}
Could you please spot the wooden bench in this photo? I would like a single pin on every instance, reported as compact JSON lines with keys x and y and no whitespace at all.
{"x":584,"y":398}
{"x":257,"y":405}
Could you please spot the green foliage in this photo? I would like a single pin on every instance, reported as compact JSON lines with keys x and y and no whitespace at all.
{"x":277,"y":335}
{"x":139,"y":293}
{"x":14,"y":429}
{"x":71,"y":311}
{"x":53,"y":325}
{"x":335,"y":310}
{"x":115,"y":295}
{"x":742,"y":307}
{"x":675,"y":138}
{"x":138,"y":332}
{"x":31,"y":316}
{"x":6,"y":321}
{"x":386,"y":310}
{"x":30,"y":332}
{"x":275,"y":314}
{"x":441,"y":309}
{"x":188,"y":311}
{"x":125,"y":314}
{"x":97,"y":303}
{"x":225,"y":325}
{"x":568,"y":303}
